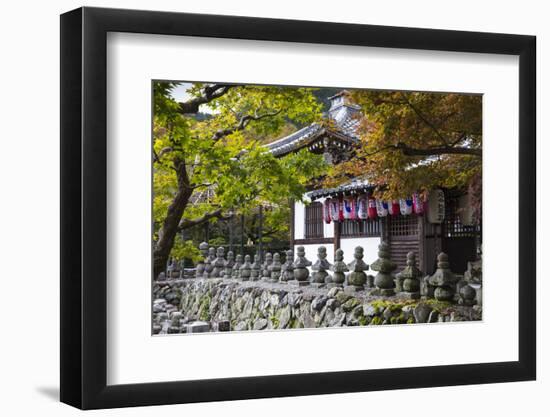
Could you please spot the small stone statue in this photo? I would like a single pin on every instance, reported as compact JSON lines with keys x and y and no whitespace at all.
{"x":357,"y":277}
{"x":407,"y":282}
{"x":444,"y":280}
{"x":203,"y":247}
{"x":237,"y":267}
{"x":245,"y":269}
{"x":275,"y":268}
{"x":467,"y":295}
{"x":173,"y":269}
{"x":161,"y":277}
{"x":266,"y":274}
{"x":287,"y":269}
{"x":218,"y":263}
{"x":426,"y":290}
{"x":256,"y":268}
{"x":301,"y":273}
{"x":320,"y":275}
{"x":339,"y":268}
{"x":473,"y":274}
{"x":182,"y":268}
{"x":384,"y":280}
{"x":228,"y":265}
{"x":208,"y":263}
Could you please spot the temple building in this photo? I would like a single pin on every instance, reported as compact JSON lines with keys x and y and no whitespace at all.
{"x":348,"y":216}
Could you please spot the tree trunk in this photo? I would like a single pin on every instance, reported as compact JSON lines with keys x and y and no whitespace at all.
{"x":170,"y":226}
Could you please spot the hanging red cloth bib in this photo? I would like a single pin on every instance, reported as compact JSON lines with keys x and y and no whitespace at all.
{"x":334,"y":209}
{"x":372,"y":208}
{"x":326,"y":211}
{"x":393,"y":207}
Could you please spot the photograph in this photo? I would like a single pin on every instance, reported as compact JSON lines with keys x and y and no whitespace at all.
{"x":296,"y":207}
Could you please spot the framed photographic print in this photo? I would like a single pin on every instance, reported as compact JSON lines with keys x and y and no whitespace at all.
{"x":258,"y":208}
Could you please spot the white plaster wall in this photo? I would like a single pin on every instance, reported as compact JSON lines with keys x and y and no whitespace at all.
{"x":311,"y":252}
{"x":299,"y":220}
{"x":369,"y":244}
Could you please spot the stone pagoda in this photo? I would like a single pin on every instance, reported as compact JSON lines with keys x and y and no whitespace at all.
{"x":357,"y":277}
{"x":384,"y":280}
{"x":443,"y":280}
{"x":320,"y":275}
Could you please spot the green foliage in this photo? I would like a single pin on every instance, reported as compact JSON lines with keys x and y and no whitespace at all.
{"x":185,"y":250}
{"x":224,"y":163}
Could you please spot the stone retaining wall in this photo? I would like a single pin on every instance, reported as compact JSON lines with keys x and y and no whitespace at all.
{"x":216,"y":304}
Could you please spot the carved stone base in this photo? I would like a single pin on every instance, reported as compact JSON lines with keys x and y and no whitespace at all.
{"x":352,"y":289}
{"x":298,"y":283}
{"x":385,"y":292}
{"x":409,"y":295}
{"x":318,"y":285}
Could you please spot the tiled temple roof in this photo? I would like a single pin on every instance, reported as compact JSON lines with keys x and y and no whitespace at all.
{"x":355,"y":185}
{"x":344,"y":126}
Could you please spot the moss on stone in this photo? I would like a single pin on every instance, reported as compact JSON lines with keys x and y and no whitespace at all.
{"x":376,"y":321}
{"x":274,"y":322}
{"x":438,"y":306}
{"x":363,"y":321}
{"x":204,"y":308}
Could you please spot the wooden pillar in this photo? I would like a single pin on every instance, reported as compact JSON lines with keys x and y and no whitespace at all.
{"x":385,"y":229}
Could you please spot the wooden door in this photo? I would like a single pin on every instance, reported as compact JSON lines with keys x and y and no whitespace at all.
{"x":403,"y":236}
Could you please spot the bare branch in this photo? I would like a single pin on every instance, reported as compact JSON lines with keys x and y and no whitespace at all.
{"x":243,"y":122}
{"x":218,"y":214}
{"x":210,"y":92}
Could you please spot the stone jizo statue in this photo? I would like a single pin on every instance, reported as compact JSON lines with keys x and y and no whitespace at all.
{"x":245,"y":269}
{"x":209,"y":263}
{"x":287,"y":269}
{"x":228,"y":265}
{"x":203,"y":247}
{"x":444,"y":280}
{"x":384,"y":280}
{"x":275,"y":268}
{"x":339,"y":268}
{"x":357,"y":277}
{"x":237,"y":267}
{"x":301,"y":273}
{"x":320,"y":268}
{"x":219,"y":263}
{"x":408,"y":280}
{"x":256,"y":268}
{"x":266,"y":273}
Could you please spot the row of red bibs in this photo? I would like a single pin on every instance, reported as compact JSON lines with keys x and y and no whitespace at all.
{"x":367,"y":207}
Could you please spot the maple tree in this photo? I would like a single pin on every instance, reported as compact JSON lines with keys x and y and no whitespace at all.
{"x":212,"y":168}
{"x":416,"y":141}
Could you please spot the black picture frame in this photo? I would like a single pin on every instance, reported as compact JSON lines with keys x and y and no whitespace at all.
{"x":84,"y":207}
